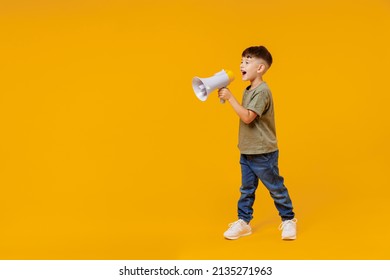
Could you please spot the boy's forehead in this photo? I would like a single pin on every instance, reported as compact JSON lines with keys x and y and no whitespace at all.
{"x":249,"y":58}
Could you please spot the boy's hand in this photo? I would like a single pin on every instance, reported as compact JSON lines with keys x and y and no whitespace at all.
{"x":224,"y":93}
{"x":247,"y":116}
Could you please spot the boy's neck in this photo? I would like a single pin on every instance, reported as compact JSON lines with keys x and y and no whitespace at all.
{"x":256,"y":82}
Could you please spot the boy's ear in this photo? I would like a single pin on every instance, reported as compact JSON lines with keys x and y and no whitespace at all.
{"x":261,"y":68}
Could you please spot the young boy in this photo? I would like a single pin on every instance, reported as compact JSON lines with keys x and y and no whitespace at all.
{"x":258,"y":146}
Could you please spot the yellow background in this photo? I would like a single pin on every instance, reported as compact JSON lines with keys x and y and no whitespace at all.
{"x":105,"y":152}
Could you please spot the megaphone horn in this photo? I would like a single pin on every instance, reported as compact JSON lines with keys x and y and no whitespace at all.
{"x":204,"y":86}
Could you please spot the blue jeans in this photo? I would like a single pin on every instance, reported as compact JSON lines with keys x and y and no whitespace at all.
{"x":265,"y":168}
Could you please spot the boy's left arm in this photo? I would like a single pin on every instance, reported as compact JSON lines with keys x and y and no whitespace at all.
{"x":247,"y":116}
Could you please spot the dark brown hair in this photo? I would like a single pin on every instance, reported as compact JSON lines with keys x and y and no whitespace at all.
{"x":258,"y":52}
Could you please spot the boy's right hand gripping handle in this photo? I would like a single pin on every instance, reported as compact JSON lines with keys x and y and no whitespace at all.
{"x":231,"y":78}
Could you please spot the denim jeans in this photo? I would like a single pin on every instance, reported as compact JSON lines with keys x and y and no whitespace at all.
{"x":265,"y":168}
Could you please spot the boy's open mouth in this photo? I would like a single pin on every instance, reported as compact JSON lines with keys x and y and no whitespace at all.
{"x":243,"y":72}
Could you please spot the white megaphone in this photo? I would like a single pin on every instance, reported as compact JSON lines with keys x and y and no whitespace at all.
{"x":204,"y":86}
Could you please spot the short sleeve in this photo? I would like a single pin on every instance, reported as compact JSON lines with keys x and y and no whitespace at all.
{"x":259,"y":102}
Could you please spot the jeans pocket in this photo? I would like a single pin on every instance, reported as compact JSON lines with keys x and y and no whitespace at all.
{"x":268,"y":157}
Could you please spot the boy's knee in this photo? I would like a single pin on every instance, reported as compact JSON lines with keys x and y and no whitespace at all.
{"x":278,"y":193}
{"x":248,"y":189}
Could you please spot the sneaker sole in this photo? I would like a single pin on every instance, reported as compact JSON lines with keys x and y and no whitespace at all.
{"x":289,"y":238}
{"x":236,"y":237}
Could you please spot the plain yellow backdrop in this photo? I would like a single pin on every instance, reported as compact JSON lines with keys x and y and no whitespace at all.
{"x":106,"y":153}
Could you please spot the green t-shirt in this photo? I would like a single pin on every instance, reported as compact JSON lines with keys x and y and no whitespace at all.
{"x":258,"y":137}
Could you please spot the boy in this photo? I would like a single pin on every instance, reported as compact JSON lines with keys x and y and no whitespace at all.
{"x":258,"y":146}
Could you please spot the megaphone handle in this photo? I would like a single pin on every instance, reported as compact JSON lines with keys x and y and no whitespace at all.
{"x":222,"y":101}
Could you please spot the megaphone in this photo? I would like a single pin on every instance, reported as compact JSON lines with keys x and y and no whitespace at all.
{"x":204,"y":86}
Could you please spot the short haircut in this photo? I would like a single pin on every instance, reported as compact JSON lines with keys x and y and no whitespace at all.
{"x":258,"y":52}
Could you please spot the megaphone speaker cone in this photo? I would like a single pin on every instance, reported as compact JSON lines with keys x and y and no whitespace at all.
{"x":204,"y":86}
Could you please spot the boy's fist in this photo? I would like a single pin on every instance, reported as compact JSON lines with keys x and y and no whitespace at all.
{"x":224,"y":93}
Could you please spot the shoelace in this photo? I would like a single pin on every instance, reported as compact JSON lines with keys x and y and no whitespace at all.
{"x":234,"y":223}
{"x":284,"y":223}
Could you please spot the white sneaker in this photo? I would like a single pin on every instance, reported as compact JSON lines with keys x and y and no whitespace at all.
{"x":237,"y":229}
{"x":289,"y":229}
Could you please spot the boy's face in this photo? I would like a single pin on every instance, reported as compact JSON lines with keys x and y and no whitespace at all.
{"x":251,"y":68}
